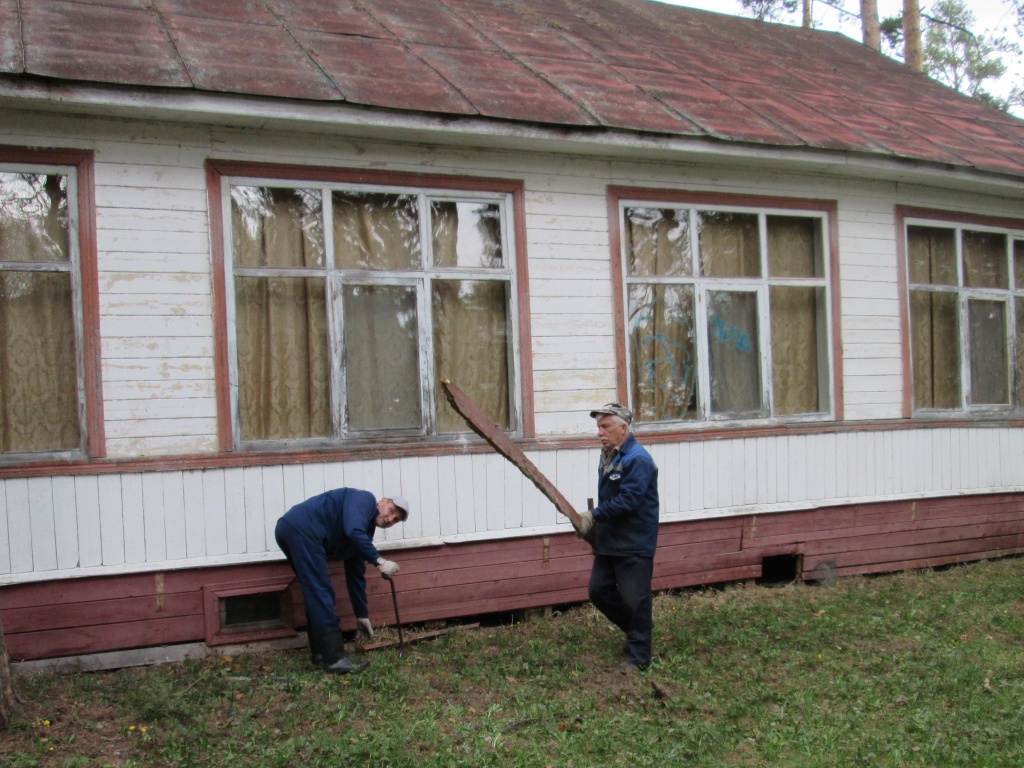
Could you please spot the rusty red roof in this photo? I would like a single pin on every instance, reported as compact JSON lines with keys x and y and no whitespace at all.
{"x":592,"y":65}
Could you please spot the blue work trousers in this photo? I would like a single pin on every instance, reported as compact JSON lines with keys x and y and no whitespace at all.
{"x":620,"y":588}
{"x":308,"y":559}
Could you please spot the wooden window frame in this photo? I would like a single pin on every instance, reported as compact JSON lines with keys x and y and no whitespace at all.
{"x":219,"y":171}
{"x":622,"y":197}
{"x":907,"y":216}
{"x":82,"y":162}
{"x":217,"y":634}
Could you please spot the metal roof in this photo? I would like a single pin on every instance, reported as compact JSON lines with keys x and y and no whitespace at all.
{"x":591,"y":65}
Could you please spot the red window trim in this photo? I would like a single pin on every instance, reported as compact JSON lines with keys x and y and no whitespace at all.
{"x":616,"y":194}
{"x":939,"y":215}
{"x":217,"y":169}
{"x":95,"y":444}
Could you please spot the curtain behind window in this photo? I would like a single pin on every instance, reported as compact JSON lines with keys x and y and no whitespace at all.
{"x":281,"y":322}
{"x":38,"y":378}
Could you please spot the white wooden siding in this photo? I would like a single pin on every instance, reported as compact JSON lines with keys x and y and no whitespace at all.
{"x":157,"y":366}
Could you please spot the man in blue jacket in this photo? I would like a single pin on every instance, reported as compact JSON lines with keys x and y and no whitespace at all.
{"x":626,"y":518}
{"x":336,"y":525}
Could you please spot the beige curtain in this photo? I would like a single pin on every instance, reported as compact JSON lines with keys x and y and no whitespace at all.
{"x":281,"y":322}
{"x":471,"y":340}
{"x":729,"y":244}
{"x":382,"y":357}
{"x":662,"y":355}
{"x":935,"y":349}
{"x":793,"y":249}
{"x":38,"y":372}
{"x":376,"y":231}
{"x":795,"y":364}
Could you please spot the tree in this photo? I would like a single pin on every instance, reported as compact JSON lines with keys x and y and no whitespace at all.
{"x":869,"y":24}
{"x":9,"y":699}
{"x":771,"y":10}
{"x":912,"y":53}
{"x":961,"y":59}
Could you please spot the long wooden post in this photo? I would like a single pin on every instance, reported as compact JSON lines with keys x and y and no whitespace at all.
{"x":497,"y":439}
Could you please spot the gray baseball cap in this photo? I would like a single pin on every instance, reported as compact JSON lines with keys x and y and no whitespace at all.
{"x":402,"y":504}
{"x":613,"y":409}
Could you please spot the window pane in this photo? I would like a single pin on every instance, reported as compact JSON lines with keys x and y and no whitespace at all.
{"x":794,"y":247}
{"x":935,"y":348}
{"x":797,"y":352}
{"x":382,"y":364}
{"x":33,"y":217}
{"x":277,"y":227}
{"x":662,"y":352}
{"x":729,"y":245}
{"x":283,"y":369}
{"x":932,"y":253}
{"x":376,"y":230}
{"x":38,"y":379}
{"x":734,"y":353}
{"x":990,"y":369}
{"x":658,"y":242}
{"x":985,"y":260}
{"x":471,"y":341}
{"x":1018,"y":261}
{"x":466,"y":234}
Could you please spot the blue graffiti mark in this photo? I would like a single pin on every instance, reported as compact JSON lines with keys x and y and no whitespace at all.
{"x":670,"y":369}
{"x":727,"y":332}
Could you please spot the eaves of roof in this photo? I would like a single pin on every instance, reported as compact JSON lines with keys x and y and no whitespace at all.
{"x":608,"y":73}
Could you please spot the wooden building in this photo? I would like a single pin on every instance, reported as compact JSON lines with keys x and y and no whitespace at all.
{"x":242,"y":240}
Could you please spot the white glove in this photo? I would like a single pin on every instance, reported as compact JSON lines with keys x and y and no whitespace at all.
{"x":387,"y":568}
{"x":365,"y":628}
{"x":586,"y":523}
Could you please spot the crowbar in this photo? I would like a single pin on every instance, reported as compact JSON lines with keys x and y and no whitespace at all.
{"x":398,"y":621}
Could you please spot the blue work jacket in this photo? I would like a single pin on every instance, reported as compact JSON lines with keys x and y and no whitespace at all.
{"x":627,"y":508}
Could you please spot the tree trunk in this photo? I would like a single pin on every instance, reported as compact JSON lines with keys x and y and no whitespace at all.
{"x":912,"y":53}
{"x":869,"y":24}
{"x":9,"y":700}
{"x":808,"y":19}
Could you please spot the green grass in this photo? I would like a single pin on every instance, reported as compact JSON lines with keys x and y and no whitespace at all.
{"x":916,"y":669}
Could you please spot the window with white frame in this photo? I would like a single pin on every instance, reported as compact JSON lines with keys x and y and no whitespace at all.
{"x":727,"y":312}
{"x":966,"y":296}
{"x":41,"y":401}
{"x":349,"y":303}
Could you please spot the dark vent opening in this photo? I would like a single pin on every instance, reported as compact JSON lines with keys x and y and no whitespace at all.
{"x":779,"y":569}
{"x":257,"y":611}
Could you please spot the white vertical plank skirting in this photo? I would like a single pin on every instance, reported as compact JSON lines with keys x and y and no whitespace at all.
{"x":112,"y":538}
{"x":273,"y":503}
{"x":65,"y":520}
{"x":174,"y":515}
{"x":134,"y":518}
{"x":255,"y":519}
{"x":155,"y":519}
{"x":40,"y":507}
{"x":195,"y":507}
{"x":69,"y":524}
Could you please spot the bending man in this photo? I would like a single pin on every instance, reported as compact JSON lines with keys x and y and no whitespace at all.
{"x":336,"y":525}
{"x":626,"y":517}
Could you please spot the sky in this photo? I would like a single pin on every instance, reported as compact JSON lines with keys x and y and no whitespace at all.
{"x":992,"y":18}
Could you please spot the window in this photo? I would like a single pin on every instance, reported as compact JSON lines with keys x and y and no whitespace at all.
{"x":349,"y":302}
{"x":727,"y":312}
{"x":966,"y":298}
{"x":42,"y":370}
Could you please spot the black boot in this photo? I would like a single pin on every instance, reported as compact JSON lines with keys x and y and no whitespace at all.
{"x":316,"y":655}
{"x":334,"y":660}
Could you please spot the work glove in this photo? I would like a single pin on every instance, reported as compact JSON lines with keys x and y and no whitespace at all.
{"x":586,"y":524}
{"x":365,"y":628}
{"x":387,"y":568}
